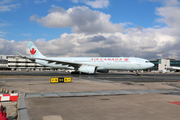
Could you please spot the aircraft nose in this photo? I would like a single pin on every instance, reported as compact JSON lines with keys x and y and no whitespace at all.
{"x":151,"y":65}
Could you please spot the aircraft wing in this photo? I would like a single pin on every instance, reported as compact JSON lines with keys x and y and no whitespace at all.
{"x":58,"y":62}
{"x":73,"y":64}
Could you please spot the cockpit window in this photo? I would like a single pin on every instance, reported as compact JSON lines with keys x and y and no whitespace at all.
{"x":147,"y":62}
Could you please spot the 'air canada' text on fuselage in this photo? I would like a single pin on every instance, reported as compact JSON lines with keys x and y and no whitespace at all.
{"x":109,"y":59}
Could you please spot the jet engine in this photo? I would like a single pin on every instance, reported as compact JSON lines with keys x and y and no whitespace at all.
{"x":88,"y":69}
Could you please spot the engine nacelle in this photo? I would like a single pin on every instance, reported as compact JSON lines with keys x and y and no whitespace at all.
{"x":103,"y":71}
{"x":88,"y":69}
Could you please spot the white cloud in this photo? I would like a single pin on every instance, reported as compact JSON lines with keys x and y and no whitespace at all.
{"x":171,"y":2}
{"x":146,"y":45}
{"x":98,"y":3}
{"x":126,"y":23}
{"x":156,"y":26}
{"x":80,"y":19}
{"x":2,"y":33}
{"x":26,"y":34}
{"x":95,"y":3}
{"x":9,"y":7}
{"x":6,"y":6}
{"x":141,"y":43}
{"x":105,"y":38}
{"x":75,"y":1}
{"x":172,"y":19}
{"x":39,"y":1}
{"x":144,"y":42}
{"x":3,"y":23}
{"x":5,"y":2}
{"x":11,"y":47}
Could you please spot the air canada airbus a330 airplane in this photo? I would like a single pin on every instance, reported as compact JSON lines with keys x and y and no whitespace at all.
{"x":89,"y":65}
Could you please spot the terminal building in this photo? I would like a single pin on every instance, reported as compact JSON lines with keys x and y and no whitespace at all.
{"x":12,"y":62}
{"x":163,"y":64}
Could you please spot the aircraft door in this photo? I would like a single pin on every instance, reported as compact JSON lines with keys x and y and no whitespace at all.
{"x":138,"y":64}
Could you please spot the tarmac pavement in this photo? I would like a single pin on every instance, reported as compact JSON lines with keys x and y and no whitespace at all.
{"x":122,"y":107}
{"x":103,"y":96}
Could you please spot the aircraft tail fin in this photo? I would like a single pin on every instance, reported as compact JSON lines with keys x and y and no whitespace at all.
{"x":34,"y":52}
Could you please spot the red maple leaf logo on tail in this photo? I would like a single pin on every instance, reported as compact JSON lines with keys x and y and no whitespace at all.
{"x":32,"y":51}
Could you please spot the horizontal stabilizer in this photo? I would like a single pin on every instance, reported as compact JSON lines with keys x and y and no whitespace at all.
{"x":20,"y":55}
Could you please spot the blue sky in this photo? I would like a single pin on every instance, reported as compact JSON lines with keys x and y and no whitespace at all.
{"x":19,"y":27}
{"x":150,"y":26}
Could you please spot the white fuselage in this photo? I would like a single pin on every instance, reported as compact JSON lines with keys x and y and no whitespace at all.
{"x":103,"y":63}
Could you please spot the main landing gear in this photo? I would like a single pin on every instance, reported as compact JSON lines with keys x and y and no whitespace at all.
{"x":137,"y":73}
